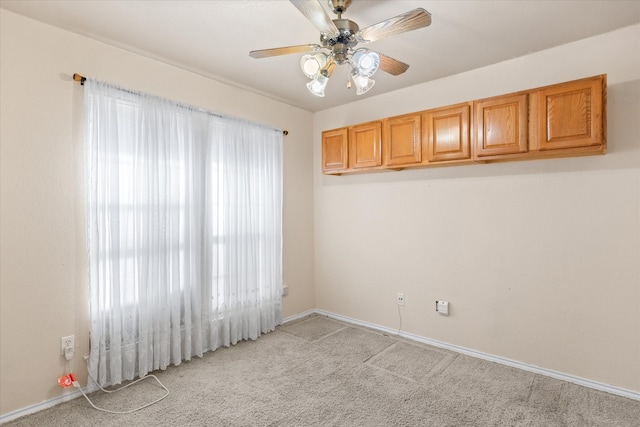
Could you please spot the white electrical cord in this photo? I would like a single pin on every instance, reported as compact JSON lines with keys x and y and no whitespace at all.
{"x":77,"y":385}
{"x":400,"y":317}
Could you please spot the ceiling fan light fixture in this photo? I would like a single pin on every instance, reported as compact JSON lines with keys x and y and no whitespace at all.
{"x":317,"y":85}
{"x":363,"y":84}
{"x":366,"y":62}
{"x":311,"y":64}
{"x":339,"y":37}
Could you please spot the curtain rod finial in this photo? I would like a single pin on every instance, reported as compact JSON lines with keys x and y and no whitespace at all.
{"x":285,"y":132}
{"x":77,"y":77}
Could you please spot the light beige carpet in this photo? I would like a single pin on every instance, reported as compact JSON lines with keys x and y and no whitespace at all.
{"x":321,"y":372}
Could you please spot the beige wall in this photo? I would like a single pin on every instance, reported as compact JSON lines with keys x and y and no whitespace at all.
{"x":43,"y":290}
{"x":539,"y":260}
{"x":527,"y":253}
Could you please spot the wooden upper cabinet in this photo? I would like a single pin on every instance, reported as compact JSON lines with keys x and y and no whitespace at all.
{"x":501,"y":125}
{"x":571,"y":114}
{"x":365,"y":145}
{"x":446,"y":133}
{"x":562,"y":120}
{"x":334,"y":150}
{"x":402,"y":140}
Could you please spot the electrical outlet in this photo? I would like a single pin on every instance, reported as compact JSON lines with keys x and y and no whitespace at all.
{"x":442,"y":307}
{"x":400,"y":298}
{"x":67,"y":342}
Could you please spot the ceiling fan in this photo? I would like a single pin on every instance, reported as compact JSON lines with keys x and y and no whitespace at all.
{"x":338,"y":40}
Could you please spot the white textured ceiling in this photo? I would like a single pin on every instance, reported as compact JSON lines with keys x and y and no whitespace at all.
{"x":213,"y":38}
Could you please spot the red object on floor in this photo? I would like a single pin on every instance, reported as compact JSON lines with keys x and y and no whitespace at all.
{"x":66,"y":380}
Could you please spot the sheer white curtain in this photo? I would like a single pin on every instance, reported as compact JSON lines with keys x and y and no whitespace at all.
{"x":184,"y":214}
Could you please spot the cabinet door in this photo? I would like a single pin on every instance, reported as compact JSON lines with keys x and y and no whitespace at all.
{"x":365,"y":145}
{"x":501,"y":125}
{"x":334,"y":150}
{"x":571,"y":114}
{"x":446,"y":133}
{"x":402,"y":140}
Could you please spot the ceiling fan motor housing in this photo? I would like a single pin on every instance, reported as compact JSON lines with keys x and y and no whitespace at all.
{"x":339,"y":6}
{"x":343,"y":41}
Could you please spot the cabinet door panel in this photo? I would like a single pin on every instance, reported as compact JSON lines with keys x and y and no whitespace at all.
{"x":447,"y":134}
{"x":365,"y":144}
{"x":334,"y":150}
{"x":501,"y":125}
{"x":571,"y":114}
{"x":403,"y":140}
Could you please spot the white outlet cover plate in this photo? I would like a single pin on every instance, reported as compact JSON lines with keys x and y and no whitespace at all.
{"x":67,"y":341}
{"x":443,"y":307}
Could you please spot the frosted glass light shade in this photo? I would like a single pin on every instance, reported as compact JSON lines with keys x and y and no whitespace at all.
{"x":311,"y":64}
{"x":317,"y":85}
{"x":366,"y":62}
{"x":363,"y":84}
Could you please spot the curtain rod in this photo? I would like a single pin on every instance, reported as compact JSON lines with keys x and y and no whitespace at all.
{"x":78,"y":78}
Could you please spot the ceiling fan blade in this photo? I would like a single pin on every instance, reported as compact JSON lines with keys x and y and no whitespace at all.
{"x":392,"y":66}
{"x":315,"y":13}
{"x":412,"y":20}
{"x":276,"y":51}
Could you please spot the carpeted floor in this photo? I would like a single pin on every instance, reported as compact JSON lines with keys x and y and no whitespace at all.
{"x":321,"y":372}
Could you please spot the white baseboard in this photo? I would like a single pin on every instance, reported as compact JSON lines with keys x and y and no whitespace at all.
{"x":32,"y":409}
{"x":489,"y":357}
{"x":298,"y":316}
